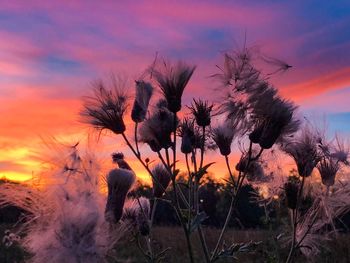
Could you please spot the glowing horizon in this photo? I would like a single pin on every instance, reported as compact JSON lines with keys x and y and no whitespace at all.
{"x":50,"y":52}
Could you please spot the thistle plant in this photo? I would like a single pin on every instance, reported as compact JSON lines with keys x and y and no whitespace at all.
{"x":106,"y":108}
{"x":172,"y":80}
{"x":163,"y":177}
{"x":119,"y":182}
{"x":65,"y":219}
{"x":254,"y":113}
{"x":251,"y":117}
{"x":310,"y":150}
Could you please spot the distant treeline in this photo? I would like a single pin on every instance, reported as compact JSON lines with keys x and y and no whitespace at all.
{"x":251,"y":211}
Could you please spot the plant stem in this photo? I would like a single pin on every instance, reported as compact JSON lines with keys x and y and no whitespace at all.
{"x":202,"y":147}
{"x":155,"y":202}
{"x":167,"y":157}
{"x":234,"y":201}
{"x":143,"y":163}
{"x":174,"y":146}
{"x":189,"y":191}
{"x":177,"y":205}
{"x":204,"y":244}
{"x":136,"y":140}
{"x":229,"y":170}
{"x":195,"y":190}
{"x":295,"y":223}
{"x":196,"y":198}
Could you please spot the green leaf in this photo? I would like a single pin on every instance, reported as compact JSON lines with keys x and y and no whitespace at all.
{"x":202,"y":171}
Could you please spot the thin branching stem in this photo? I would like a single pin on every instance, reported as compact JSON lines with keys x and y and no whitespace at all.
{"x":182,"y":195}
{"x":229,"y":170}
{"x":196,"y":182}
{"x":176,"y":199}
{"x":167,"y":156}
{"x":143,"y":163}
{"x":202,"y":148}
{"x":170,"y":172}
{"x":136,"y":140}
{"x":204,"y":244}
{"x":189,"y":191}
{"x":174,"y":146}
{"x":306,"y":232}
{"x":196,"y":197}
{"x":154,"y":207}
{"x":295,"y":223}
{"x":233,"y":203}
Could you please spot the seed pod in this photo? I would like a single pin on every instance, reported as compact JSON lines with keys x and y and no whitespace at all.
{"x":201,"y":111}
{"x":137,"y":212}
{"x":172,"y":80}
{"x":163,"y":178}
{"x":223,"y":137}
{"x":255,"y":135}
{"x":291,"y":189}
{"x":328,"y":169}
{"x":119,"y":182}
{"x":144,"y":91}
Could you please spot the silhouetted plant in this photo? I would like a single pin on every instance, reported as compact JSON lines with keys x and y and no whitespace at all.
{"x":252,"y":114}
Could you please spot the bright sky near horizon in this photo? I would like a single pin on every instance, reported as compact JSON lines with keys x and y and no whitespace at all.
{"x":51,"y":50}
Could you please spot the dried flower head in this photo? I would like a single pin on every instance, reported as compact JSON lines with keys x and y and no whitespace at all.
{"x":291,"y":189}
{"x":274,"y":118}
{"x":237,"y":68}
{"x":223,"y":136}
{"x":328,"y":168}
{"x":144,"y":91}
{"x":310,"y":230}
{"x":236,"y":112}
{"x":163,"y":177}
{"x":340,"y":151}
{"x":304,"y":152}
{"x":137,"y":212}
{"x":119,"y":182}
{"x":156,"y":130}
{"x":64,"y":219}
{"x":281,"y":66}
{"x":201,"y":110}
{"x":187,"y":132}
{"x":118,"y":158}
{"x":254,"y":172}
{"x":172,"y":80}
{"x":106,"y":108}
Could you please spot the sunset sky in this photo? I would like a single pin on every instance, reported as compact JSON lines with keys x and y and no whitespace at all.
{"x":50,"y":51}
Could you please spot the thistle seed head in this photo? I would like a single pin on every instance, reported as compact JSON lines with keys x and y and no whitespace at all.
{"x":163,"y":178}
{"x":328,"y":168}
{"x":273,"y":121}
{"x":119,"y":182}
{"x":187,"y":133}
{"x":156,"y":130}
{"x":223,"y":136}
{"x":172,"y":80}
{"x":137,"y":212}
{"x":201,"y":110}
{"x":106,"y":108}
{"x":291,"y":188}
{"x":118,"y":158}
{"x":144,"y":91}
{"x":304,"y":151}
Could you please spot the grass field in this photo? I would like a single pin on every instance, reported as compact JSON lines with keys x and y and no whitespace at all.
{"x":269,"y":251}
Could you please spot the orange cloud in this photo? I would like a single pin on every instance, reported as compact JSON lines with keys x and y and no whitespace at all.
{"x":324,"y":83}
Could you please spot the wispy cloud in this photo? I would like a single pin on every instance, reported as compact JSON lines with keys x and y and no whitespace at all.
{"x":50,"y":51}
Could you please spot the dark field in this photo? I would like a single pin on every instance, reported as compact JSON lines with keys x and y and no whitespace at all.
{"x":268,"y":251}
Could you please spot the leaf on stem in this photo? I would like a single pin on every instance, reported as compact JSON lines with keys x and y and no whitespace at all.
{"x":197,"y":221}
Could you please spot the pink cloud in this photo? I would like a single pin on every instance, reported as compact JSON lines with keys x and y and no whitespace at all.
{"x":329,"y":82}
